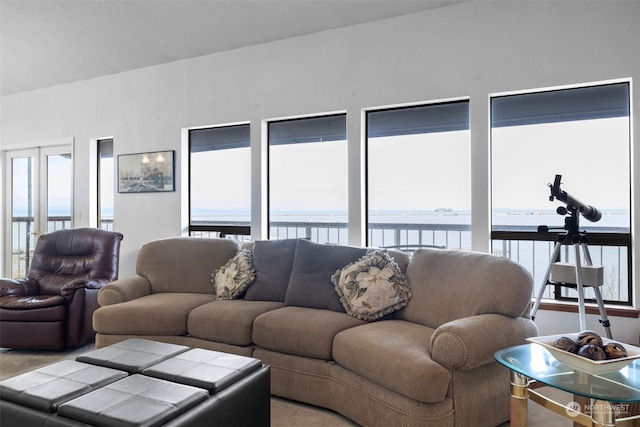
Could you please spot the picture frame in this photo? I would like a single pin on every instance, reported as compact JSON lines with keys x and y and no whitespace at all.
{"x":149,"y":172}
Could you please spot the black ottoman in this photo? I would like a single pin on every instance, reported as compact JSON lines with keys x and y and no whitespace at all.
{"x":133,"y":401}
{"x":239,"y":386}
{"x":168,"y":385}
{"x":31,"y":398}
{"x":132,"y":355}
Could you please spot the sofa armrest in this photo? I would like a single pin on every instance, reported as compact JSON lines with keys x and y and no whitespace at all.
{"x":18,"y":287}
{"x":467,"y":343}
{"x":124,"y":290}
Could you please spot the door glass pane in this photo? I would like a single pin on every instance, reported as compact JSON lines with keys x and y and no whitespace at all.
{"x":58,"y":192}
{"x":22,"y":241}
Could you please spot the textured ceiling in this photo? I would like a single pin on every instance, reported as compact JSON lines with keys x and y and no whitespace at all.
{"x":48,"y":43}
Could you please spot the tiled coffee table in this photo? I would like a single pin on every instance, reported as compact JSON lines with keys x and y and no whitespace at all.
{"x":141,"y":383}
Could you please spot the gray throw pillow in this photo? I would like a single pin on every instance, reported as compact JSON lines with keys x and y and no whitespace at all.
{"x":272,"y":260}
{"x":313,"y":265}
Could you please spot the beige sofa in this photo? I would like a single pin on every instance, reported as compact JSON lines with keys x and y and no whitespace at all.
{"x":429,"y":363}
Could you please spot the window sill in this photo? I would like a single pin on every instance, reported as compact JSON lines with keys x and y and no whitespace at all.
{"x":572,"y":307}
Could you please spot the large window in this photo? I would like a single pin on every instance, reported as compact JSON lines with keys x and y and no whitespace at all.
{"x":106,"y":180}
{"x":308,"y":179}
{"x":220,"y":181}
{"x":582,"y":134}
{"x":418,"y":176}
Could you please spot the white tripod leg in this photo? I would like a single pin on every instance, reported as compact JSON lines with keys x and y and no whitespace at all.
{"x":545,"y":280}
{"x":596,"y":290}
{"x":581,"y":309}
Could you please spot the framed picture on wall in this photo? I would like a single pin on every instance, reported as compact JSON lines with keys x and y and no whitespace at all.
{"x":146,"y":172}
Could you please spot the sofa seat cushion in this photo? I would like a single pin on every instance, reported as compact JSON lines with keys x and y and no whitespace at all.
{"x":228,"y":321}
{"x":301,"y":331}
{"x":395,"y":355}
{"x":155,"y":314}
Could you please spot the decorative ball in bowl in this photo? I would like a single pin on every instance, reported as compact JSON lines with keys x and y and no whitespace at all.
{"x":587,"y":351}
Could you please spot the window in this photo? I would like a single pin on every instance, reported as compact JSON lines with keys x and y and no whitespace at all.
{"x":106,"y":181}
{"x":582,"y":134}
{"x":418,"y":176}
{"x":308,"y":179}
{"x":220,"y":181}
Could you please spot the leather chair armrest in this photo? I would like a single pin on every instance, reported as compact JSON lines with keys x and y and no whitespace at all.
{"x":124,"y":290}
{"x":69,"y":288}
{"x":467,"y":343}
{"x":18,"y":287}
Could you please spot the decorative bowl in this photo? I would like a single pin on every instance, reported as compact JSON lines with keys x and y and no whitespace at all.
{"x":584,"y":364}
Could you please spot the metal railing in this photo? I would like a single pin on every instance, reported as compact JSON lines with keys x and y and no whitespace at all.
{"x":528,"y":248}
{"x":608,"y":247}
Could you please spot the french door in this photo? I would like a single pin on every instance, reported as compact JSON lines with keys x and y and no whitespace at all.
{"x":38,"y":200}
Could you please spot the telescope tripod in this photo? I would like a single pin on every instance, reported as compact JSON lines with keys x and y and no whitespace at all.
{"x":575,"y":276}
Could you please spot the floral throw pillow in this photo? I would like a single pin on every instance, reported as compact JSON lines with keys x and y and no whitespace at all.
{"x":233,"y":278}
{"x":372,"y":286}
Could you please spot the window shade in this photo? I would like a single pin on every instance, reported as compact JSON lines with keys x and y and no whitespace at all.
{"x":315,"y":129}
{"x":219,"y":138}
{"x":451,"y":116}
{"x":587,"y":103}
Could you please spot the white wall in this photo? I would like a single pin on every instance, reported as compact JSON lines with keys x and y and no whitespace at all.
{"x":467,"y":50}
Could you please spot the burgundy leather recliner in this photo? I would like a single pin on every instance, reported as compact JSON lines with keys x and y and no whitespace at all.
{"x":52,"y":308}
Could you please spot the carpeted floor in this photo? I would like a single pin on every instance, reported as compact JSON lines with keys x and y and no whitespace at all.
{"x":284,"y":413}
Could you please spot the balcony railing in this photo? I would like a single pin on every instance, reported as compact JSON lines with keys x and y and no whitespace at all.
{"x":608,"y":247}
{"x":530,"y":249}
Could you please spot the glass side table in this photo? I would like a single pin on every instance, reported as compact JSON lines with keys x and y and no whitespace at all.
{"x":601,"y":395}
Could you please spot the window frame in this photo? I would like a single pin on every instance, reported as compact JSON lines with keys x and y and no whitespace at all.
{"x":305,"y":231}
{"x":239,"y":232}
{"x":594,"y":237}
{"x":100,"y":177}
{"x":457,"y":124}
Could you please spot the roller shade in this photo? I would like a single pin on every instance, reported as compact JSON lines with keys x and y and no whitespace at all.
{"x":447,"y":117}
{"x":315,"y":129}
{"x":587,"y":103}
{"x":220,"y":138}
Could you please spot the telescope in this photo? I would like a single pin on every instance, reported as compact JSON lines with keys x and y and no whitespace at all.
{"x":588,"y":212}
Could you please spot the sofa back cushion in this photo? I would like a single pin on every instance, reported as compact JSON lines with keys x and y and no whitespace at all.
{"x":401,"y":258}
{"x":184,"y":264}
{"x":272,"y":260}
{"x":310,"y":284}
{"x":449,"y":285}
